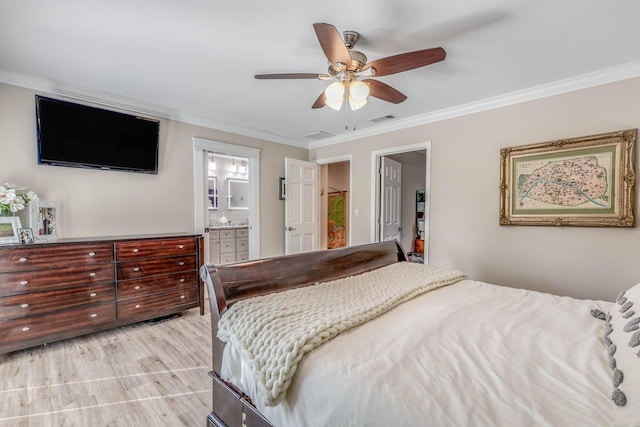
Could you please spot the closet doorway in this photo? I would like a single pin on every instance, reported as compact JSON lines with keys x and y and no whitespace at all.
{"x":400,"y":198}
{"x":335,"y":202}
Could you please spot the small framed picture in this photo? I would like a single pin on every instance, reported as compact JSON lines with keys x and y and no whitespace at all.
{"x":282,"y":193}
{"x":9,"y":226}
{"x":48,"y":220}
{"x":26,"y":235}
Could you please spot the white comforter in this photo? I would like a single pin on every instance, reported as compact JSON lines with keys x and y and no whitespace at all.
{"x":468,"y":354}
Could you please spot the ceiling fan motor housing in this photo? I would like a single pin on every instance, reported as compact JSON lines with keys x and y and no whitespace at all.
{"x":350,"y":38}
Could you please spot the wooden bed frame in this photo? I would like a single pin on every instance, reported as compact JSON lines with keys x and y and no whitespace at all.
{"x":227,"y":284}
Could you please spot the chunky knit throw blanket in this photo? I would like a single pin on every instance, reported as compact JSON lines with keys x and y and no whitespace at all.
{"x":273,"y":332}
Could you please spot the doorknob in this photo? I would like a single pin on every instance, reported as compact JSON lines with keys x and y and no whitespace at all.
{"x":399,"y":228}
{"x":289,"y":229}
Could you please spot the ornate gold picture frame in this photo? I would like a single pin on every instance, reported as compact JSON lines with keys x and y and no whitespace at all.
{"x":587,"y":181}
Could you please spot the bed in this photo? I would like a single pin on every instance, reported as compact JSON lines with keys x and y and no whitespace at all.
{"x":447,"y":352}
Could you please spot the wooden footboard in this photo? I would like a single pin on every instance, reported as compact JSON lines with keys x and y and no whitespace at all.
{"x":230,"y":283}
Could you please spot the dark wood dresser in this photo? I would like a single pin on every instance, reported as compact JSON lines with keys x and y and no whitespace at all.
{"x":70,"y":287}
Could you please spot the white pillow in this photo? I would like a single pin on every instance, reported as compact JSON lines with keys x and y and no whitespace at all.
{"x":622,"y":337}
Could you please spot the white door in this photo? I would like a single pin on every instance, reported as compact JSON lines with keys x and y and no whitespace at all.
{"x":390,"y":199}
{"x":302,"y":206}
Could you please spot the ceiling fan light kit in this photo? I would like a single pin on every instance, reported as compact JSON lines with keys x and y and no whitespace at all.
{"x":351,"y":71}
{"x":357,"y":91}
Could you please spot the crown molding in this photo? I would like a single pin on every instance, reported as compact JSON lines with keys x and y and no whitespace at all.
{"x":583,"y":81}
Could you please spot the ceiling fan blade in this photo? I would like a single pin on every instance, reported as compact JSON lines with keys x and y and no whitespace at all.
{"x":385,"y":92}
{"x":406,"y":61}
{"x":320,"y":102}
{"x":291,"y":76}
{"x":332,"y":44}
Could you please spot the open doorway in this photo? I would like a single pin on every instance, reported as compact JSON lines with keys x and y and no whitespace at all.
{"x":335,"y":202}
{"x":400,"y":202}
{"x":227,"y":200}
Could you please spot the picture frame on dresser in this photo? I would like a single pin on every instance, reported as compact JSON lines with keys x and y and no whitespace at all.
{"x":47,"y":220}
{"x":9,"y":229}
{"x":33,"y":216}
{"x":26,"y":235}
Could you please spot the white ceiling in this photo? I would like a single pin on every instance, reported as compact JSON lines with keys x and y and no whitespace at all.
{"x":194,"y":60}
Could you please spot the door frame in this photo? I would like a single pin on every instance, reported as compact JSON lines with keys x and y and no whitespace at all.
{"x":374,"y":234}
{"x":339,"y":159}
{"x":201,"y":148}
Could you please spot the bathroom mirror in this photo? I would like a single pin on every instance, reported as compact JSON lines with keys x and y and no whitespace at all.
{"x":237,"y":194}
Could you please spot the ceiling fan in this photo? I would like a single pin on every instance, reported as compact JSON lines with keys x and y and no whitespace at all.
{"x":351,"y":72}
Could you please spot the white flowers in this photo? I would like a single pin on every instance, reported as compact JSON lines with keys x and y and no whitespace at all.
{"x":13,"y":198}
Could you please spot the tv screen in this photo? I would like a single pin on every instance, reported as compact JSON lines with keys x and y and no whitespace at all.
{"x":78,"y":135}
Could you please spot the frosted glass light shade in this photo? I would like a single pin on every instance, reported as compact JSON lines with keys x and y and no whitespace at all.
{"x":355,"y":104}
{"x":358,"y":90}
{"x":334,"y":94}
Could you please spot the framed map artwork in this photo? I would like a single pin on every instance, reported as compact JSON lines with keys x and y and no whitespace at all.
{"x":587,"y":181}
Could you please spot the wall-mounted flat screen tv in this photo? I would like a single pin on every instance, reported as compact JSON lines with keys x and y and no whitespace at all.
{"x":76,"y":135}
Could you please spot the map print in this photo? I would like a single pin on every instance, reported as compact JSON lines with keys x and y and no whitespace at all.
{"x":578,"y":182}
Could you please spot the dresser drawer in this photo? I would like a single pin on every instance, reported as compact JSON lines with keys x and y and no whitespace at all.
{"x":148,"y":285}
{"x":147,"y":306}
{"x":242,"y":232}
{"x":34,"y":327}
{"x":139,"y":249}
{"x":55,"y":278}
{"x":214,"y":234}
{"x":44,"y":302}
{"x":41,"y":256}
{"x":242,"y":244}
{"x":149,"y":267}
{"x":227,"y":258}
{"x":227,"y":246}
{"x":242,"y":256}
{"x":227,"y":234}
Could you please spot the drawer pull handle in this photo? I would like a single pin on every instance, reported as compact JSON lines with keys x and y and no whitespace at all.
{"x":92,"y":294}
{"x":180,"y":246}
{"x":136,"y":269}
{"x":26,"y":329}
{"x":181,"y":263}
{"x":92,"y":254}
{"x":92,"y":274}
{"x":23,"y":259}
{"x":136,"y":287}
{"x":24,"y":282}
{"x":94,"y":315}
{"x":24,"y":305}
{"x":135,"y":251}
{"x":181,"y":280}
{"x":182,"y":297}
{"x":137,"y":305}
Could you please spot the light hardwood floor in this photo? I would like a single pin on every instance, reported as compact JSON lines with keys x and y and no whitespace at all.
{"x":137,"y":375}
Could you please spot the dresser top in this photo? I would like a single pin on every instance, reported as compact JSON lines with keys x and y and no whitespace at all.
{"x":100,"y":239}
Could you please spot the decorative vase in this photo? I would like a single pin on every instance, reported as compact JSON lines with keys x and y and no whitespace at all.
{"x":5,"y":211}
